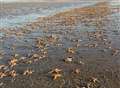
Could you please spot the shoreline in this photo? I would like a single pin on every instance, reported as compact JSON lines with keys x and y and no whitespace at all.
{"x":30,"y":14}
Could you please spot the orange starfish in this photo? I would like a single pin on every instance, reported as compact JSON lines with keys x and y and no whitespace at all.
{"x":56,"y":76}
{"x":13,"y":62}
{"x":28,"y":72}
{"x":56,"y":73}
{"x":13,"y":73}
{"x":71,"y":50}
{"x":2,"y":74}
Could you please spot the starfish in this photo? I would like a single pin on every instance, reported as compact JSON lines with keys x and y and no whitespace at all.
{"x":56,"y":76}
{"x":13,"y":62}
{"x":71,"y":50}
{"x":115,"y":52}
{"x":13,"y":73}
{"x":2,"y":74}
{"x":56,"y":70}
{"x":56,"y":73}
{"x":28,"y":72}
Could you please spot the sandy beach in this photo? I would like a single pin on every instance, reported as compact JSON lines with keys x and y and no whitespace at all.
{"x":74,"y":48}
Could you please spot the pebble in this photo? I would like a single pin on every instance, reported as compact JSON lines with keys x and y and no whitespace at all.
{"x":1,"y":84}
{"x":69,"y":59}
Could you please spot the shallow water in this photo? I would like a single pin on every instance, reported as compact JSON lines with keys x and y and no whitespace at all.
{"x":17,"y":15}
{"x":17,"y":20}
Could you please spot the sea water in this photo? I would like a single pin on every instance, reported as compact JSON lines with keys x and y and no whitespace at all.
{"x":18,"y":20}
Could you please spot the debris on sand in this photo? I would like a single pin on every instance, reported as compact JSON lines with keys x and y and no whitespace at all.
{"x":1,"y":84}
{"x":2,"y":66}
{"x":94,"y":80}
{"x":77,"y":71}
{"x":35,"y":55}
{"x":16,"y":55}
{"x":93,"y":45}
{"x":81,"y":62}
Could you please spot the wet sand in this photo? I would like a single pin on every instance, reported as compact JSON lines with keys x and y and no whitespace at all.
{"x":78,"y":48}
